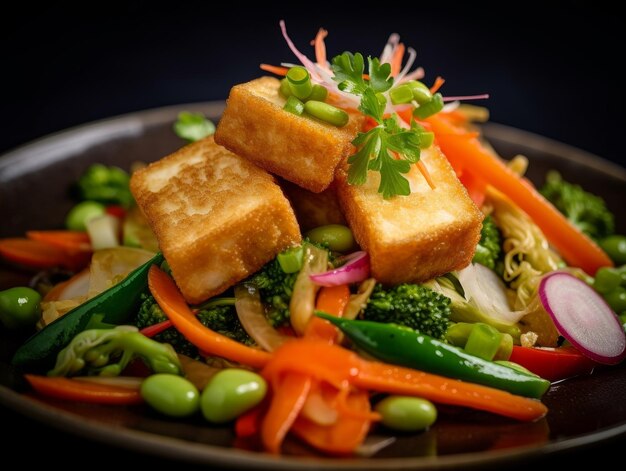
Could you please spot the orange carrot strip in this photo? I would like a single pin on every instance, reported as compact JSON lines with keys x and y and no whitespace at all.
{"x":332,"y":300}
{"x":578,"y":249}
{"x":82,"y":391}
{"x":426,"y":174}
{"x":439,"y":81}
{"x":289,"y":395}
{"x":342,"y":437}
{"x":320,"y":48}
{"x":174,"y":306}
{"x":67,"y":240}
{"x":396,"y":60}
{"x":36,"y":254}
{"x":336,"y":366}
{"x":274,"y":69}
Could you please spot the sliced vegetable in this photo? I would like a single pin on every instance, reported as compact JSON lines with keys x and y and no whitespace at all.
{"x":82,"y":391}
{"x":104,"y":232}
{"x":302,"y":301}
{"x":72,"y":241}
{"x":403,"y":346}
{"x":583,"y":317}
{"x":82,"y":213}
{"x":36,"y":254}
{"x":173,"y":304}
{"x":117,"y":304}
{"x":252,"y":317}
{"x":553,"y":364}
{"x":355,"y":269}
{"x":578,"y":249}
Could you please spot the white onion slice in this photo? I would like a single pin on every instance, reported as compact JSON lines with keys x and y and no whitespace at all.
{"x":252,"y":318}
{"x":583,"y":317}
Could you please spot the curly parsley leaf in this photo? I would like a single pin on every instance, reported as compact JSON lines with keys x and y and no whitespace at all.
{"x":380,"y":81}
{"x":372,"y":106}
{"x":348,"y":69}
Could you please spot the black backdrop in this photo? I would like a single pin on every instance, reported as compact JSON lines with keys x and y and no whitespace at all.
{"x":553,"y":70}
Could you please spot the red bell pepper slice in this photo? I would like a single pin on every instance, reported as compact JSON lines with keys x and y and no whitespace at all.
{"x":553,"y":364}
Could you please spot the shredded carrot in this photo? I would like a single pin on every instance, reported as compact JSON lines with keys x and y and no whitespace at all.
{"x":439,"y":81}
{"x":396,"y":60}
{"x":320,"y":48}
{"x":82,"y":391}
{"x":332,"y":300}
{"x":424,"y":171}
{"x":71,"y":241}
{"x":274,"y":69}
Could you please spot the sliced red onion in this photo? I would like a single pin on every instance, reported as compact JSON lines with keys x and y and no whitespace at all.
{"x":355,"y":270}
{"x":583,"y":317}
{"x":304,"y":59}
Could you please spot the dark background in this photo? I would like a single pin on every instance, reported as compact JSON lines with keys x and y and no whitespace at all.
{"x":551,"y":70}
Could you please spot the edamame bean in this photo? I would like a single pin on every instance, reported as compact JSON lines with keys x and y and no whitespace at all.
{"x":170,"y":395}
{"x":406,"y":413}
{"x":617,"y":299}
{"x":338,"y":238}
{"x":327,"y":113}
{"x":82,"y":213}
{"x":615,"y":247}
{"x":607,"y":279}
{"x":19,"y":307}
{"x":230,"y":393}
{"x":318,"y":93}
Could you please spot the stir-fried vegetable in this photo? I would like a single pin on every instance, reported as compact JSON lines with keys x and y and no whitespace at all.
{"x":489,"y":247}
{"x":107,"y":185}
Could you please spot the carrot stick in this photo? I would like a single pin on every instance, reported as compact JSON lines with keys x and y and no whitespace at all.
{"x":578,"y":249}
{"x":332,"y":300}
{"x":426,"y":174}
{"x":337,"y":365}
{"x":174,"y":306}
{"x":36,"y":254}
{"x":439,"y":81}
{"x":274,"y":69}
{"x":320,"y":48}
{"x":342,"y":437}
{"x":289,"y":395}
{"x":82,"y":391}
{"x":398,"y":380}
{"x":396,"y":60}
{"x":75,"y":241}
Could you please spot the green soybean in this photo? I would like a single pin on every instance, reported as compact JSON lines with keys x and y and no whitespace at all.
{"x":171,"y":395}
{"x":607,"y":279}
{"x":615,"y":247}
{"x":617,"y":299}
{"x":406,"y":413}
{"x":318,"y":93}
{"x":327,"y":113}
{"x":19,"y":307}
{"x":230,"y":393}
{"x":339,"y":238}
{"x":82,"y":213}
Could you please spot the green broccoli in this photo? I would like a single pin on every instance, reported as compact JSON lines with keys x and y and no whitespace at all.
{"x":275,"y":287}
{"x":414,"y":306}
{"x":106,"y":352}
{"x":586,"y":211}
{"x":215,"y":315}
{"x":490,"y":245}
{"x":107,"y":185}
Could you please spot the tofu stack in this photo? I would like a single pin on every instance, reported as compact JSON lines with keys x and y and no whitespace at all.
{"x":218,"y":217}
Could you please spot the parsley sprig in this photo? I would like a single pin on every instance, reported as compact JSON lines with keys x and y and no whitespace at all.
{"x":387,"y":148}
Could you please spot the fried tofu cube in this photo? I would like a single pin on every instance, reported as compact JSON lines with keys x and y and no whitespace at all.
{"x":300,"y":149}
{"x":218,"y":217}
{"x":313,"y":209}
{"x":416,"y":237}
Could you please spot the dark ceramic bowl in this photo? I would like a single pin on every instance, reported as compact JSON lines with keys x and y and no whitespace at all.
{"x":34,"y":183}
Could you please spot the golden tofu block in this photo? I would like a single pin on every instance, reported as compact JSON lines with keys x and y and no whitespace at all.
{"x":416,"y":237}
{"x":301,"y":149}
{"x":314,"y":209}
{"x":218,"y":217}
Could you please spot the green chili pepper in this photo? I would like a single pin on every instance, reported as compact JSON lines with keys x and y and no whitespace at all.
{"x":114,"y":305}
{"x":406,"y":347}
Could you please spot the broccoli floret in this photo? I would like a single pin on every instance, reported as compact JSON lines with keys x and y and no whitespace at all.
{"x":490,"y":245}
{"x":106,"y":352}
{"x":275,"y":287}
{"x":414,"y":306}
{"x":586,"y":211}
{"x":221,"y":318}
{"x":107,"y":185}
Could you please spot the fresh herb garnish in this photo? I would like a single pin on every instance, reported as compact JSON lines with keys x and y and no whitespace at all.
{"x":387,"y":148}
{"x":193,"y":126}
